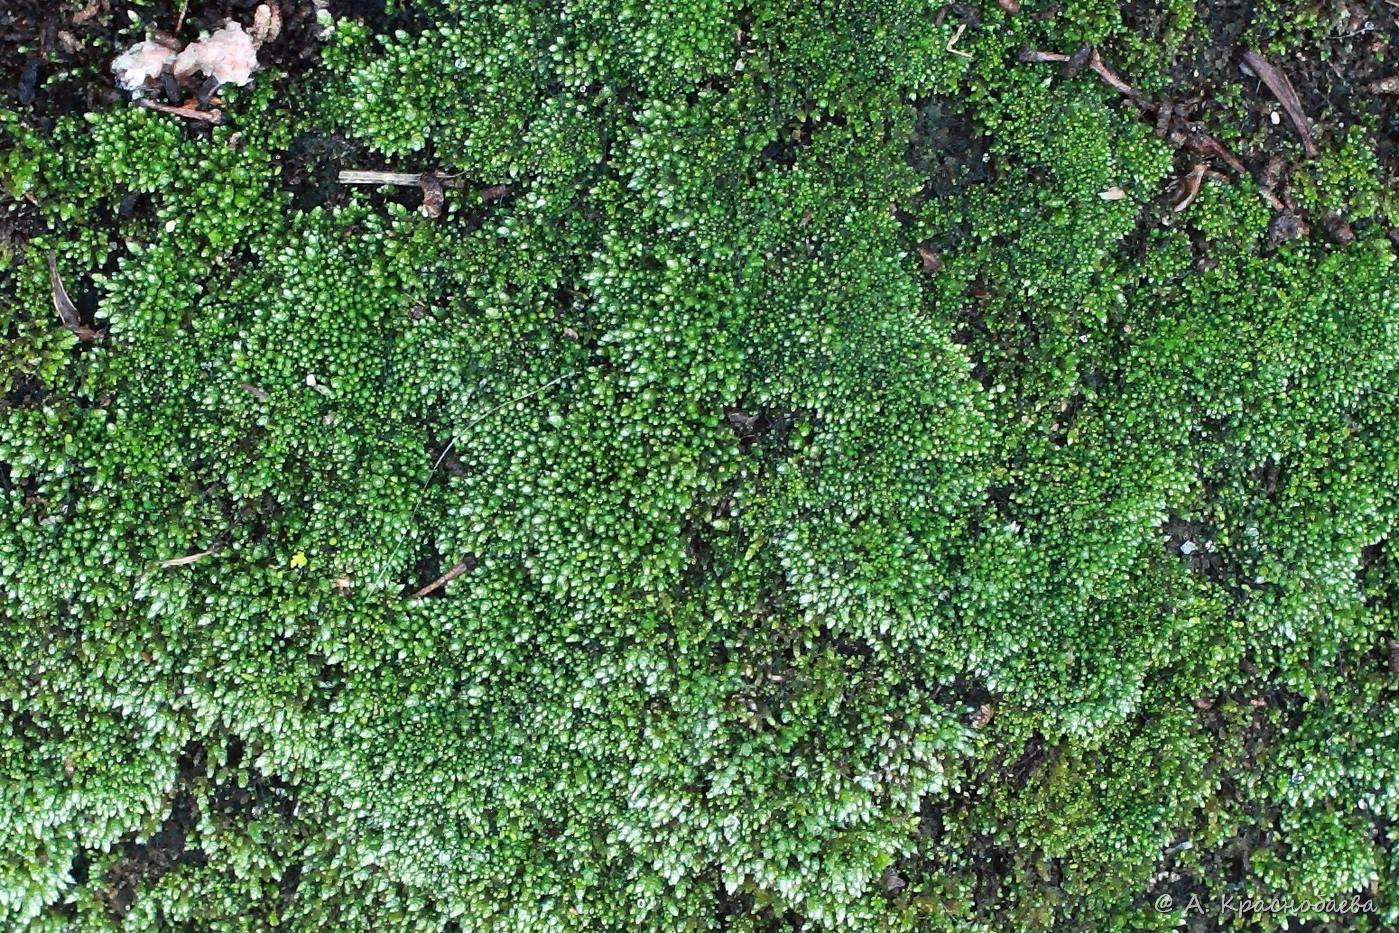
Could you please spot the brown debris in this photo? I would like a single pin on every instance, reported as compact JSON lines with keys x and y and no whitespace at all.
{"x":1035,"y":56}
{"x":1086,"y":56}
{"x":1337,"y":230}
{"x":982,"y":717}
{"x":1010,"y":6}
{"x":67,"y":311}
{"x":431,"y":183}
{"x":1384,"y":86}
{"x":1282,"y":89}
{"x":1164,"y":114}
{"x":1095,"y":62}
{"x":892,"y":881}
{"x":932,"y":262}
{"x":1275,"y":202}
{"x":1286,"y":226}
{"x":1271,"y":175}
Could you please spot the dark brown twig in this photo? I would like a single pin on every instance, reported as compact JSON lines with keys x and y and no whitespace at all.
{"x":1282,"y":89}
{"x":1207,"y":145}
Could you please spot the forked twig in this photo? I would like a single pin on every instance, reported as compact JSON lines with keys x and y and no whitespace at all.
{"x":956,"y":36}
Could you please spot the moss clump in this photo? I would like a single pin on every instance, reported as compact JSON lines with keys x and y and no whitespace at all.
{"x":886,"y":506}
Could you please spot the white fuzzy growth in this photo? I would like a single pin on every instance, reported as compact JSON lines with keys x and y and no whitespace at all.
{"x":141,"y":63}
{"x":230,"y":55}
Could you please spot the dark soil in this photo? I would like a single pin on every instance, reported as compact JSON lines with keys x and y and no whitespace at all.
{"x":144,"y":863}
{"x":56,"y":57}
{"x":169,"y":848}
{"x":1331,"y":74}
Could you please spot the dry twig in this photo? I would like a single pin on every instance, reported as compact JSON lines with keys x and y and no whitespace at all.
{"x":431,"y":184}
{"x":469,"y":563}
{"x":952,"y":43}
{"x":214,"y":117}
{"x":187,"y":559}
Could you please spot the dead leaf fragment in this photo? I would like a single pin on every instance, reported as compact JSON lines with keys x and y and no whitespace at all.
{"x":982,"y":717}
{"x":67,"y":311}
{"x":1112,"y":194}
{"x":214,"y":117}
{"x":1190,"y":188}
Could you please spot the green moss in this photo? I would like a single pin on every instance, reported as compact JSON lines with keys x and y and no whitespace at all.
{"x":883,"y":510}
